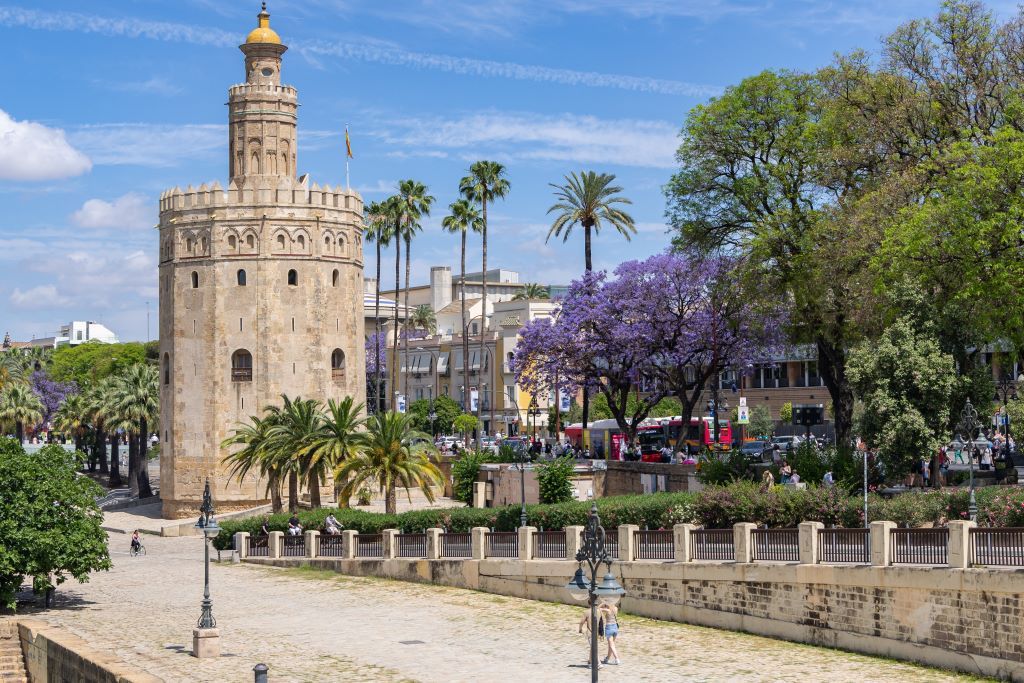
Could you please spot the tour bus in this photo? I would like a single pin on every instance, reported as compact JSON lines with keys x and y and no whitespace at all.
{"x":699,"y":435}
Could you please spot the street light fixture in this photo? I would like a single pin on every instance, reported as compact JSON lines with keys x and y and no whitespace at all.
{"x":522,"y":456}
{"x":1006,"y":390}
{"x":208,"y":526}
{"x":593,"y":553}
{"x":967,"y":425}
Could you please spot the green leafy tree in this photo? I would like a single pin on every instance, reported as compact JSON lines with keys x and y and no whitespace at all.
{"x":786,"y":412}
{"x":393,"y":455}
{"x":445,"y":412}
{"x":761,"y":424}
{"x":533,"y":290}
{"x":71,"y":419}
{"x":464,"y":474}
{"x":465,"y":423}
{"x":905,"y":382}
{"x":335,"y":439}
{"x":19,"y":406}
{"x":92,"y":361}
{"x":49,"y":521}
{"x":137,"y":400}
{"x":554,"y":479}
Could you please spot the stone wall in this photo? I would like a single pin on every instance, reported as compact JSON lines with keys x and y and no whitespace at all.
{"x":966,"y":619}
{"x":624,"y":478}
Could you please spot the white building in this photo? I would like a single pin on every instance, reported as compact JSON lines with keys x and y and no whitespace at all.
{"x":81,"y":331}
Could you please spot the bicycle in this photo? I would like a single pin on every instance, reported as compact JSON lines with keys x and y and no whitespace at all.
{"x":136,"y":551}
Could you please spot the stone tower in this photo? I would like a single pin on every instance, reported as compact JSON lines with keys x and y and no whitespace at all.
{"x":260,"y":290}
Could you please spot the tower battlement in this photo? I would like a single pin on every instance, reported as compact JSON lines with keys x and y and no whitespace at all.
{"x":261,"y":190}
{"x":276,"y":91}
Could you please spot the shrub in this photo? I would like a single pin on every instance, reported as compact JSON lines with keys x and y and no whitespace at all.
{"x":364,"y":496}
{"x":554,"y":480}
{"x":464,"y":473}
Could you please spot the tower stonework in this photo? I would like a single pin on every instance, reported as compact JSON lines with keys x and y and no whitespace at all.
{"x":261,"y":290}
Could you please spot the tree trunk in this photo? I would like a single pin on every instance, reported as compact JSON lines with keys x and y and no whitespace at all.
{"x":314,"y":491}
{"x":133,"y":465}
{"x":391,"y":500}
{"x":115,"y":462}
{"x":275,"y":496}
{"x":483,"y":329}
{"x":465,"y":332}
{"x":19,"y":431}
{"x":832,"y":366}
{"x":293,"y":492}
{"x":376,"y":338}
{"x":101,"y":449}
{"x":589,"y":266}
{"x":393,"y":389}
{"x":405,"y":341}
{"x":145,"y":491}
{"x":78,"y":439}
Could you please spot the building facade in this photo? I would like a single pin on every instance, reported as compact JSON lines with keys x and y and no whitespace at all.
{"x":261,"y":290}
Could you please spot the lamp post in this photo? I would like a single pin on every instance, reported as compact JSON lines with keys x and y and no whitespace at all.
{"x":1006,"y":390}
{"x":592,"y":553}
{"x":522,"y":456}
{"x":968,"y":423}
{"x":205,"y":635}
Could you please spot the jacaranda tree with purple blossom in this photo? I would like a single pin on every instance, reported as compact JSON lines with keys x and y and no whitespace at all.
{"x":645,"y":328}
{"x":376,"y":352}
{"x":50,"y":393}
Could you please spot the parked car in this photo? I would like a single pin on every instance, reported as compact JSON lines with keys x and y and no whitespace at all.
{"x":787,"y":444}
{"x":757,"y":451}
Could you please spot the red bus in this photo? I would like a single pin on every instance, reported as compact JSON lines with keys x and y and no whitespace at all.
{"x":700,"y":434}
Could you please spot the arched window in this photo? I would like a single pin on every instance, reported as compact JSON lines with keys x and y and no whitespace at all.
{"x":293,"y":278}
{"x":327,"y":244}
{"x":338,"y":364}
{"x":203,"y":243}
{"x":254,"y":168}
{"x":188,"y":245}
{"x":241,"y":278}
{"x":334,"y":278}
{"x":241,"y":366}
{"x":167,"y":369}
{"x":280,"y":242}
{"x":195,"y":280}
{"x":302,"y":242}
{"x":250,"y":241}
{"x":232,"y":242}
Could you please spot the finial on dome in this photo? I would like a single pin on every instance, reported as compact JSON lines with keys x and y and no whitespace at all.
{"x":263,"y":33}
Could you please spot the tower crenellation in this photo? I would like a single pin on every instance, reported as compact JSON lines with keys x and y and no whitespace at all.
{"x":260,"y":289}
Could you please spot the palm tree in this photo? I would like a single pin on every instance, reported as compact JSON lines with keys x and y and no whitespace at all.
{"x":395,"y":209}
{"x":337,"y":438}
{"x":463,"y":218}
{"x":71,"y":419}
{"x":12,"y":368}
{"x":532,"y":290}
{"x":422,"y":318}
{"x":589,"y":199}
{"x":393,"y":454}
{"x":379,"y":230}
{"x":295,"y":422}
{"x":106,"y":418}
{"x":137,"y":400}
{"x":416,"y":204}
{"x":20,"y":405}
{"x":254,"y":456}
{"x":96,"y":414}
{"x":37,"y":358}
{"x":485,"y":183}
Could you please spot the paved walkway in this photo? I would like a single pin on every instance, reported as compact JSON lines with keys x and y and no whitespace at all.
{"x":316,"y":626}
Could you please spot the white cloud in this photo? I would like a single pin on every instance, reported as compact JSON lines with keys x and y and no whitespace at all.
{"x":143,"y":144}
{"x":157,"y":85}
{"x":43,"y":296}
{"x":31,"y":151}
{"x":380,"y":187}
{"x":128,"y":211}
{"x":581,"y":139}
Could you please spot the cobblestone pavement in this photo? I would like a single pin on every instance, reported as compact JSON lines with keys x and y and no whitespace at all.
{"x":316,"y":626}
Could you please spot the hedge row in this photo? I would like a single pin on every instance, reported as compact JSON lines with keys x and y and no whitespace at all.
{"x":717,"y":507}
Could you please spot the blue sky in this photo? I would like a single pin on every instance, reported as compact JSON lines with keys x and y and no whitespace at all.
{"x":107,"y":103}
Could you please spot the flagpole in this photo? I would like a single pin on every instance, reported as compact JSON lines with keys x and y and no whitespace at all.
{"x":348,"y":155}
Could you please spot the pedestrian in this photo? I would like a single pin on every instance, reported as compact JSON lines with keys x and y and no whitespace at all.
{"x":610,"y":616}
{"x":785,"y":473}
{"x":986,"y":459}
{"x":794,"y":478}
{"x":925,"y":473}
{"x":827,"y":479}
{"x":294,"y":526}
{"x":767,"y":480}
{"x":264,"y":529}
{"x":331,"y":525}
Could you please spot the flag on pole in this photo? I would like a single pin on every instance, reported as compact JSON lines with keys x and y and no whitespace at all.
{"x":348,"y":144}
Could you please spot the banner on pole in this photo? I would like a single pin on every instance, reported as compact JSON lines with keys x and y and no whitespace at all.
{"x":742,"y":415}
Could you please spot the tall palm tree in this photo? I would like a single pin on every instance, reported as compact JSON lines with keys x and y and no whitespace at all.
{"x":19,"y":406}
{"x":463,"y":218}
{"x":422,"y":318}
{"x":70,"y":418}
{"x":37,"y":358}
{"x":107,"y":418}
{"x":253,"y":455}
{"x":590,"y":200}
{"x":416,"y":204}
{"x":337,"y":438}
{"x":395,"y":208}
{"x":485,"y":183}
{"x":532,"y":290}
{"x":294,"y":425}
{"x":12,"y":368}
{"x":393,"y":455}
{"x":379,"y":230}
{"x":96,"y":414}
{"x":137,"y":399}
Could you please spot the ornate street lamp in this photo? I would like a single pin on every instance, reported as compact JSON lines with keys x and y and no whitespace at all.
{"x":593,"y":553}
{"x":967,"y":425}
{"x":208,"y":526}
{"x":1006,"y":391}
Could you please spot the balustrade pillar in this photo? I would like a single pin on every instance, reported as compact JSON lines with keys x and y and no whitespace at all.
{"x":312,"y":543}
{"x":478,"y":538}
{"x":627,"y":542}
{"x":349,"y":543}
{"x":526,"y":536}
{"x":434,"y":543}
{"x":881,"y":543}
{"x":743,"y":541}
{"x":274,"y":544}
{"x":242,"y":544}
{"x":958,"y":553}
{"x":809,"y":535}
{"x":573,"y":541}
{"x":389,"y":542}
{"x":683,"y":542}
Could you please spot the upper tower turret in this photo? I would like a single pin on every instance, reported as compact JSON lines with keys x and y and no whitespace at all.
{"x":262,"y":113}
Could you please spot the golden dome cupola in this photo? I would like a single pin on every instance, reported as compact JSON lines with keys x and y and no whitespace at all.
{"x":263,"y":33}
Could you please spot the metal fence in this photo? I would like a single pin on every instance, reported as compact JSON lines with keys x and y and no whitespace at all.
{"x":370,"y":545}
{"x":257,"y":546}
{"x":654,"y":545}
{"x":293,"y":546}
{"x":776,"y":545}
{"x":549,"y":545}
{"x":997,"y":547}
{"x":330,"y":546}
{"x":713,"y":544}
{"x":411,"y":545}
{"x":457,"y":545}
{"x":611,"y":544}
{"x":844,"y":546}
{"x":502,"y":544}
{"x":920,"y":546}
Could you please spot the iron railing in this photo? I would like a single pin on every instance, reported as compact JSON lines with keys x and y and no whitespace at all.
{"x":456,"y":545}
{"x":330,"y":546}
{"x":257,"y":546}
{"x":370,"y":545}
{"x":844,"y":546}
{"x":502,"y":544}
{"x":611,"y":544}
{"x":776,"y":545}
{"x":654,"y":544}
{"x":997,"y":547}
{"x":241,"y":374}
{"x":411,"y":545}
{"x":920,"y":546}
{"x":293,"y":546}
{"x":713,"y":544}
{"x":549,"y":545}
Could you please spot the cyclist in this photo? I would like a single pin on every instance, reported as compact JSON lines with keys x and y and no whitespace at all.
{"x":136,"y":543}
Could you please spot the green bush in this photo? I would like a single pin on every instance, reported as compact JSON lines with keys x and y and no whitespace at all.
{"x":554,"y":479}
{"x":464,"y":473}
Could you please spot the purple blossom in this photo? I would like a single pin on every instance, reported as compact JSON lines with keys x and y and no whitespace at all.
{"x":51,"y":393}
{"x":376,"y":345}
